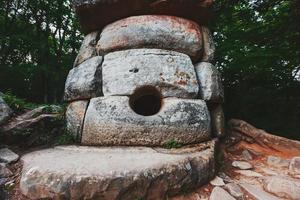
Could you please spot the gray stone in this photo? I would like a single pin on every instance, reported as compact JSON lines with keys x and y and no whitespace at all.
{"x":217,"y":181}
{"x":111,"y":121}
{"x":246,"y":155}
{"x":208,"y":45}
{"x":210,"y":85}
{"x":88,"y":48}
{"x":127,"y":173}
{"x":258,"y":193}
{"x":171,"y":72}
{"x":242,"y":165}
{"x":249,"y":173}
{"x":152,"y":31}
{"x":74,"y":117}
{"x":5,"y":111}
{"x":234,"y":190}
{"x":284,"y":187}
{"x":277,"y":161}
{"x":217,"y":120}
{"x":8,"y":156}
{"x":295,"y":165}
{"x":219,"y":193}
{"x":4,"y":171}
{"x":84,"y":81}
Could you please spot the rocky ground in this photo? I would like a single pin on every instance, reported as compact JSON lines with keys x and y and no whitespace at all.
{"x":252,"y":165}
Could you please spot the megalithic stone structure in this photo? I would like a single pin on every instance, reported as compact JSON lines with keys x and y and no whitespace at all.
{"x":144,"y":93}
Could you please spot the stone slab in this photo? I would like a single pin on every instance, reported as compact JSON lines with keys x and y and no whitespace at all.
{"x":111,"y":121}
{"x":94,"y":15}
{"x":74,"y":118}
{"x":111,"y":173}
{"x":219,"y":193}
{"x":84,"y":81}
{"x":171,"y":72}
{"x":210,"y":84}
{"x":153,"y":31}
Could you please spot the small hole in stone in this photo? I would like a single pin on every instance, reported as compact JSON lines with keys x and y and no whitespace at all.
{"x":146,"y":101}
{"x":134,"y":70}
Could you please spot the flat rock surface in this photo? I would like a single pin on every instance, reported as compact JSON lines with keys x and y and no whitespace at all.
{"x":171,"y":72}
{"x":84,"y":81}
{"x":8,"y":156}
{"x":111,"y":121}
{"x":152,"y":31}
{"x":219,"y":193}
{"x":72,"y":172}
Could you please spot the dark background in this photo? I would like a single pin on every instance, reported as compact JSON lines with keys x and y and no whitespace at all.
{"x":258,"y":54}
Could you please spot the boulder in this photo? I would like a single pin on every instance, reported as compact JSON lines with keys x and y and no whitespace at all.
{"x":284,"y":187}
{"x":4,"y":171}
{"x":114,"y":121}
{"x":88,"y":48}
{"x":208,"y":45}
{"x":152,"y":31}
{"x":94,"y":15}
{"x":217,"y":120}
{"x":5,"y":111}
{"x":109,"y":173}
{"x":74,"y":117}
{"x":171,"y":72}
{"x":84,"y":81}
{"x":8,"y":156}
{"x":210,"y":84}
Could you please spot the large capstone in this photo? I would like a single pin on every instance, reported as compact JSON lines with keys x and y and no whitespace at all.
{"x":112,"y":173}
{"x":74,"y":117}
{"x":171,"y":72}
{"x":120,"y":120}
{"x":210,"y":83}
{"x":88,"y":48}
{"x":96,"y":14}
{"x":152,"y":31}
{"x":84,"y":81}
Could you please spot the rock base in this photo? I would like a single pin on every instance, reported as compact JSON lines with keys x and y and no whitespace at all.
{"x":73,"y":172}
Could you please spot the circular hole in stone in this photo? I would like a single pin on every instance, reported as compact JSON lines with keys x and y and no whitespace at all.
{"x":146,"y":101}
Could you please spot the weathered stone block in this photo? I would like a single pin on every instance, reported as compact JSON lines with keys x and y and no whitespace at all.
{"x":171,"y":72}
{"x":5,"y":111}
{"x":112,"y":173}
{"x":210,"y":84}
{"x":74,"y":117}
{"x":113,"y":121}
{"x":88,"y":48}
{"x":208,"y":45}
{"x":152,"y":31}
{"x":84,"y":81}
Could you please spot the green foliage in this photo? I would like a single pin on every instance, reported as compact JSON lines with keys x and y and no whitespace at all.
{"x":172,"y":144}
{"x":65,"y":138}
{"x":17,"y":104}
{"x":258,"y":53}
